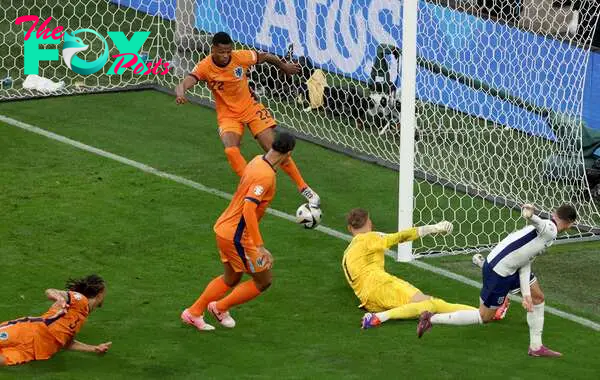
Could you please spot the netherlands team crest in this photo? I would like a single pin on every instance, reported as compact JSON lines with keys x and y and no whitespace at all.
{"x":4,"y":335}
{"x":238,"y":72}
{"x":258,"y":190}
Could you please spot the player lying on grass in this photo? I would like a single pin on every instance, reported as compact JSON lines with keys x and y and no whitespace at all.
{"x":38,"y":338}
{"x":508,"y":267}
{"x":225,"y":71}
{"x":385,"y":296}
{"x":239,"y":240}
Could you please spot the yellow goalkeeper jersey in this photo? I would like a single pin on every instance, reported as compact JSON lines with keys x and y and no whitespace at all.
{"x":364,"y":260}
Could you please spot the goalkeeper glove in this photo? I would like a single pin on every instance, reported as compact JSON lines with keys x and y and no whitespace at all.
{"x":444,"y":227}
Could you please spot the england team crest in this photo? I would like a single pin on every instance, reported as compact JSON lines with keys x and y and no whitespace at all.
{"x":238,"y":72}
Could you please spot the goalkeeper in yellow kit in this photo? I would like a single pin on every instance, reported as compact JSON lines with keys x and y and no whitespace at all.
{"x":385,"y":296}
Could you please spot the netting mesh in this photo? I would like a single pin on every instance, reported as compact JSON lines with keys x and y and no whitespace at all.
{"x":499,"y":88}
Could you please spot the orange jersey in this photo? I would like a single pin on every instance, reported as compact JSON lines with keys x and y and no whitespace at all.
{"x":256,"y":185}
{"x":26,"y":339}
{"x":64,"y":326}
{"x":38,"y":338}
{"x":229,"y":84}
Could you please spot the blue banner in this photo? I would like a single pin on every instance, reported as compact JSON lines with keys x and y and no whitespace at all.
{"x":342,"y":36}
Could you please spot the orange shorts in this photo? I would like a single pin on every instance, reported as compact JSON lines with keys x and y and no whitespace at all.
{"x":257,"y":117}
{"x":242,"y":256}
{"x":26,"y":339}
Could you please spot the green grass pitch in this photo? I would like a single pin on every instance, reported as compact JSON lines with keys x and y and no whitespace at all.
{"x":65,"y":212}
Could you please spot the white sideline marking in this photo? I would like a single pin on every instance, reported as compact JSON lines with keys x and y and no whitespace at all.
{"x":329,"y":231}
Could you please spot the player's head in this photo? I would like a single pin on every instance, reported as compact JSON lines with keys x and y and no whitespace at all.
{"x":282,"y":147}
{"x":358,"y":221}
{"x":92,"y":287}
{"x":222,"y":45}
{"x":564,"y":216}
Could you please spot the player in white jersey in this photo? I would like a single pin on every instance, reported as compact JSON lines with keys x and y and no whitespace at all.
{"x":508,"y":268}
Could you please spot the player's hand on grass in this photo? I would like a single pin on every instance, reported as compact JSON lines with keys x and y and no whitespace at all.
{"x":290,"y":68}
{"x":528,"y":304}
{"x":102,"y":348}
{"x":527,"y":211}
{"x":266,"y":257}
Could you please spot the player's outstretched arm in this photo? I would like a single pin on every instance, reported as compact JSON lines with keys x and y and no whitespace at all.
{"x":417,"y":232}
{"x":443,"y":227}
{"x":527,"y":212}
{"x":288,"y":68}
{"x":187,"y":83}
{"x":82,"y":347}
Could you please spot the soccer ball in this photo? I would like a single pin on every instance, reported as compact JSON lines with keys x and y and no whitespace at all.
{"x":309,"y":217}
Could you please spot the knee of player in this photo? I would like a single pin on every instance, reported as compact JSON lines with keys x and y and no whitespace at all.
{"x":264,"y":284}
{"x":2,"y":361}
{"x":537,"y":298}
{"x":487,"y":315}
{"x":486,"y":319}
{"x":231,"y":282}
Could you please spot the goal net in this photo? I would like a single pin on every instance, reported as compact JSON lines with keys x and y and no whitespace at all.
{"x":500,"y":109}
{"x":499,"y":98}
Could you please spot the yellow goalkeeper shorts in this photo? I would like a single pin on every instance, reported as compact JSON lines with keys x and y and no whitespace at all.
{"x":392,"y":293}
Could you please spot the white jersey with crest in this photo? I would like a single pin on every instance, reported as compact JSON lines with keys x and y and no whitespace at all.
{"x":521,"y":247}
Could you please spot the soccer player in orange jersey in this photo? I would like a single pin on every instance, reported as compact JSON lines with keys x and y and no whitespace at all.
{"x":240,"y":243}
{"x":225,"y":72}
{"x":38,"y":338}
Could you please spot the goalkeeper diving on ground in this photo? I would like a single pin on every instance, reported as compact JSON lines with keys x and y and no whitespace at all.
{"x":383,"y":295}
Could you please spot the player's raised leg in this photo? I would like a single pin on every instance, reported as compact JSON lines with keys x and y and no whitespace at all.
{"x":265,"y":138}
{"x":245,"y":292}
{"x":231,"y":136}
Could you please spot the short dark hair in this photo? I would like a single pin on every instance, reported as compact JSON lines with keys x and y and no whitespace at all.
{"x":357,"y":218}
{"x":89,"y":286}
{"x":567,"y":213}
{"x":221,"y":38}
{"x":284,"y":142}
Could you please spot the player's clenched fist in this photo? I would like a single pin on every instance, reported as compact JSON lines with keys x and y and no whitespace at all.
{"x":180,"y":95}
{"x":527,"y":211}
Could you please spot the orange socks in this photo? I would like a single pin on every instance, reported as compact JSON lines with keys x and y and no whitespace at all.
{"x":214,"y":290}
{"x":242,"y":293}
{"x":292,"y":170}
{"x":236,"y":160}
